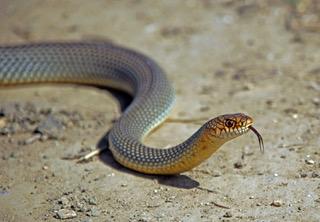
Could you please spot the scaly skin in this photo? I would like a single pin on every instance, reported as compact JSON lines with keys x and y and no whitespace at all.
{"x":105,"y":64}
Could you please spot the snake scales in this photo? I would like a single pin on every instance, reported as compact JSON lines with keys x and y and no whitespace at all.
{"x":105,"y":64}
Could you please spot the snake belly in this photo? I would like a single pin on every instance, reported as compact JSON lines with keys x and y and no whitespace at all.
{"x":105,"y":64}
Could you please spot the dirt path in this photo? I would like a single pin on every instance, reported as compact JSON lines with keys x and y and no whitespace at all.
{"x":222,"y":57}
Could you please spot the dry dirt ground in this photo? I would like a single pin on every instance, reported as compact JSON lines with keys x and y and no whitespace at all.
{"x":257,"y":57}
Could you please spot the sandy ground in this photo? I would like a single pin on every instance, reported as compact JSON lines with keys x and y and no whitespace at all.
{"x":257,"y":57}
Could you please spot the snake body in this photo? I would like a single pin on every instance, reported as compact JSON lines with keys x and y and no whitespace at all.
{"x":106,"y":64}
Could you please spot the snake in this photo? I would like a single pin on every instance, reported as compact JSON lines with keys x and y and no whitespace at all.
{"x":106,"y":64}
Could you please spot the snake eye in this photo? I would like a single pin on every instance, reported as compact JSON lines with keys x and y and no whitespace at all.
{"x":229,"y":123}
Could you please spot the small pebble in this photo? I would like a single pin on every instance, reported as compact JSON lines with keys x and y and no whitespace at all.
{"x":64,"y":202}
{"x":314,"y":85}
{"x":94,"y":212}
{"x":170,"y":199}
{"x":238,"y":165}
{"x":216,"y":174}
{"x":277,"y":203}
{"x":87,"y":169}
{"x":32,"y":139}
{"x":309,"y":162}
{"x":303,"y":175}
{"x":228,"y":214}
{"x":151,"y":28}
{"x":44,"y":137}
{"x":316,"y":101}
{"x":80,"y":206}
{"x":66,"y":214}
{"x":3,"y":122}
{"x":92,"y":201}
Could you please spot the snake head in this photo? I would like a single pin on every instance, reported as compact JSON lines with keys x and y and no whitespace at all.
{"x":229,"y":126}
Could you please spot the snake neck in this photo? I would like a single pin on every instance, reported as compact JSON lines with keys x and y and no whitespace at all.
{"x":183,"y":157}
{"x":197,"y":149}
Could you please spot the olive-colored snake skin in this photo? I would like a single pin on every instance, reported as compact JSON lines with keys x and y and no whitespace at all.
{"x":105,"y":64}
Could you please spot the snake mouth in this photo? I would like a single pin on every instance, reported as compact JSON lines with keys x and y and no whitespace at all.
{"x":260,"y":139}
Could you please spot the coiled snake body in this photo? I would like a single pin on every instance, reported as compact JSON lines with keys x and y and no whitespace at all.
{"x":105,"y":64}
